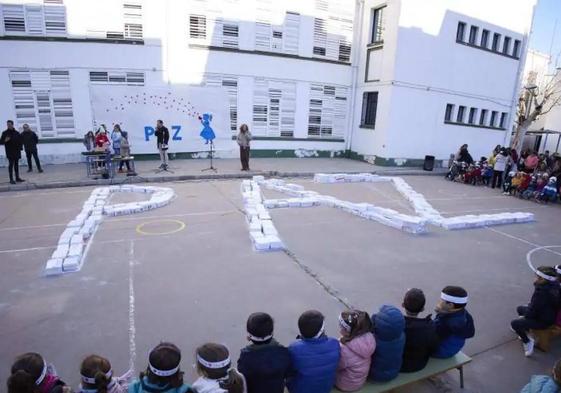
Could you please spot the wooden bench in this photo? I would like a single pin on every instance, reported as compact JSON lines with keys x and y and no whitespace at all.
{"x":434,"y":367}
{"x":544,"y":336}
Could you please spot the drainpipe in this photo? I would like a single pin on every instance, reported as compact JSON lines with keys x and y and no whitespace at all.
{"x":359,"y":13}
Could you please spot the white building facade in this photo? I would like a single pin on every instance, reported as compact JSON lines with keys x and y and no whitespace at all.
{"x":385,"y":81}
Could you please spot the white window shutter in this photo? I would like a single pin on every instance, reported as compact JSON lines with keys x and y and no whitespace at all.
{"x":24,"y":99}
{"x":35,"y":22}
{"x":327,"y":111}
{"x":14,"y":18}
{"x":55,"y":20}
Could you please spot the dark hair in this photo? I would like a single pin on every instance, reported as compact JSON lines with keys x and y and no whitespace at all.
{"x":359,"y":321}
{"x":547,"y":270}
{"x":165,"y":356}
{"x":260,"y":324}
{"x":10,"y":122}
{"x":414,"y":301}
{"x":159,"y":121}
{"x":310,"y":323}
{"x":117,"y":126}
{"x":455,"y":291}
{"x":97,"y":367}
{"x":229,"y":379}
{"x":26,"y":369}
{"x":244,"y":126}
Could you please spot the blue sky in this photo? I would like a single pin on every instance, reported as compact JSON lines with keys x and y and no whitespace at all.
{"x":546,"y":14}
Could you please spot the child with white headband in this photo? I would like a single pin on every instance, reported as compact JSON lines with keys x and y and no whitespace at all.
{"x":264,"y":363}
{"x":453,"y":323}
{"x":541,"y":312}
{"x":216,"y":373}
{"x":314,"y":356}
{"x":163,"y":374}
{"x":97,"y":376}
{"x":357,"y":346}
{"x":31,"y":374}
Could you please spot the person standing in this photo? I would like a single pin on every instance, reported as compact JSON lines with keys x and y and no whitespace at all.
{"x":11,"y":139}
{"x":116,"y":136}
{"x":162,"y":135}
{"x":243,"y":139}
{"x":30,"y":141}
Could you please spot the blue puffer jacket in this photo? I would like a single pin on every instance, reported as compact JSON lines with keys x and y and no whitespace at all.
{"x":453,"y":329}
{"x":541,"y":384}
{"x":388,"y":328}
{"x":314,"y":363}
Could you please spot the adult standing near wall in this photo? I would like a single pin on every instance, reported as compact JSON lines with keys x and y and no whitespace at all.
{"x":244,"y":139}
{"x":162,"y":135}
{"x":11,"y":139}
{"x":30,"y":141}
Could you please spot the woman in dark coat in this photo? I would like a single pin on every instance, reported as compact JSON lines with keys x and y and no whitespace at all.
{"x":11,"y":139}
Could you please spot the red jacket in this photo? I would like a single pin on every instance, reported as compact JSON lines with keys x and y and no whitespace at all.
{"x":101,"y":139}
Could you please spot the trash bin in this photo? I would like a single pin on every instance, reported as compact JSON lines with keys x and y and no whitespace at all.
{"x":429,"y":163}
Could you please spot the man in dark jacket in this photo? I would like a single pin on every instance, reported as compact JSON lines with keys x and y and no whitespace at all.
{"x":30,"y":141}
{"x":542,"y":310}
{"x":11,"y":139}
{"x":420,"y":334}
{"x":162,"y":135}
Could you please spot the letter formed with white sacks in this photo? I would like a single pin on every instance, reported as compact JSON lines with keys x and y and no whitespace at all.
{"x":70,"y":252}
{"x":265,"y":236}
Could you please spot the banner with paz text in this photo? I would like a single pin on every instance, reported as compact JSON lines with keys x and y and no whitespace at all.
{"x":193,"y":115}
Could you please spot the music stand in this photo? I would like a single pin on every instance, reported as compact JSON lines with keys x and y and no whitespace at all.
{"x":211,"y":156}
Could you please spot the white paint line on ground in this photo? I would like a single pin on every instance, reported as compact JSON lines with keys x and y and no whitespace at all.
{"x":27,"y":249}
{"x":132,"y":327}
{"x":529,"y":254}
{"x":32,"y":227}
{"x":537,"y":246}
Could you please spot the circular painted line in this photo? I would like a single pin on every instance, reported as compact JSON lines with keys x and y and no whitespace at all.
{"x":140,"y":227}
{"x":529,"y":254}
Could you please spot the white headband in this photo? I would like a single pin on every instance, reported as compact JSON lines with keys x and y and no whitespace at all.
{"x":43,"y":374}
{"x":344,"y":324}
{"x":558,"y":269}
{"x":213,"y":365}
{"x":91,"y":381}
{"x":318,"y":335}
{"x":163,"y":373}
{"x":545,"y":276}
{"x":454,"y":299}
{"x":259,"y":339}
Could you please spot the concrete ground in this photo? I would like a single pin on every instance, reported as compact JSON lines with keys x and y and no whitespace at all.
{"x":187,"y":273}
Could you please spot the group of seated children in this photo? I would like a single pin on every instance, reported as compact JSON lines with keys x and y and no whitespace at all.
{"x":375,"y":348}
{"x":538,"y":187}
{"x":543,"y":309}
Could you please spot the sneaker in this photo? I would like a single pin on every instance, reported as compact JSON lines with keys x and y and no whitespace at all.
{"x":20,"y":180}
{"x":40,"y":171}
{"x":12,"y":182}
{"x":528,"y":347}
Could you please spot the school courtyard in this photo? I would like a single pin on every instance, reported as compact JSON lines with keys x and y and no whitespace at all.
{"x":188,"y":273}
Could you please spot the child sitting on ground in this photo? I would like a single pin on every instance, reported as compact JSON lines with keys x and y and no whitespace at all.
{"x":486,"y":173}
{"x":507,"y":184}
{"x":314,"y":356}
{"x":420,"y":333}
{"x":97,"y":376}
{"x":31,"y":374}
{"x":357,"y":346}
{"x":516,"y":182}
{"x":530,"y":189}
{"x":540,"y":185}
{"x":545,"y":383}
{"x":549,"y":192}
{"x":163,"y":373}
{"x":216,"y":373}
{"x":453,"y":322}
{"x":388,"y":326}
{"x":264,"y":363}
{"x":541,"y":312}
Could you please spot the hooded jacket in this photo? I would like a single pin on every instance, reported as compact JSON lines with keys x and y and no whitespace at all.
{"x":420,"y":343}
{"x":453,"y":329}
{"x":207,"y":385}
{"x":541,"y":384}
{"x":388,"y":327}
{"x":354,"y":363}
{"x":265,"y":367}
{"x":143,"y":386}
{"x":544,"y":303}
{"x":314,"y":361}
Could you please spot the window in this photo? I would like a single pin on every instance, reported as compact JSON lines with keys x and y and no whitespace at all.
{"x":132,"y":16}
{"x":34,"y":20}
{"x":378,"y":25}
{"x":493,"y":119}
{"x":274,"y":108}
{"x":328,"y":111}
{"x":502,"y":123}
{"x":369,"y":106}
{"x":496,"y":40}
{"x":230,"y":83}
{"x":516,"y":49}
{"x":506,"y":45}
{"x":333,"y":29}
{"x":449,"y":110}
{"x":460,"y":31}
{"x":117,"y":78}
{"x":461,"y":112}
{"x":472,"y":114}
{"x":197,"y":26}
{"x":483,"y":117}
{"x":485,"y":38}
{"x":473,"y":34}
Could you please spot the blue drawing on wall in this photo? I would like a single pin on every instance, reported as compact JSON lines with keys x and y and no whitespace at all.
{"x":207,"y":133}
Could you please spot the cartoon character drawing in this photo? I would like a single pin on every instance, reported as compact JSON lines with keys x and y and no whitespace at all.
{"x":207,"y":133}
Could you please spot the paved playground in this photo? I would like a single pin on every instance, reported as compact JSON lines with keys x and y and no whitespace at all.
{"x":187,"y":273}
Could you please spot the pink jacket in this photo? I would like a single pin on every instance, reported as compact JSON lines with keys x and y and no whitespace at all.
{"x":354,"y":362}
